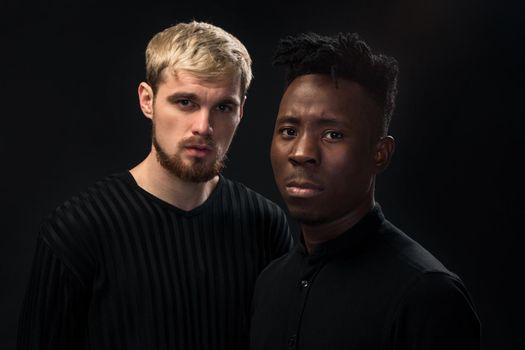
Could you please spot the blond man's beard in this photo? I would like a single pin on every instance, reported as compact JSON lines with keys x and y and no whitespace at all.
{"x":198,"y":171}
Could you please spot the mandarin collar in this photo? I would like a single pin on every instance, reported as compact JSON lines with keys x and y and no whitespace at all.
{"x":348,"y":242}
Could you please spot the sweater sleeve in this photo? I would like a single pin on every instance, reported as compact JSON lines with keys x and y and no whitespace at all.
{"x":436,"y":313}
{"x":54,"y":311}
{"x":282,"y":239}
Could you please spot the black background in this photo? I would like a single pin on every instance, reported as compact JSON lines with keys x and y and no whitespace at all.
{"x":70,"y":116}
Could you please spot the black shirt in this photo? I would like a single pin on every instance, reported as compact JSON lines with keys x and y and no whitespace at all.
{"x":117,"y":268}
{"x":371,"y":288}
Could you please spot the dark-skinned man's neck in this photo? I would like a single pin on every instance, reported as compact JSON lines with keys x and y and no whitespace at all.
{"x":319,"y":233}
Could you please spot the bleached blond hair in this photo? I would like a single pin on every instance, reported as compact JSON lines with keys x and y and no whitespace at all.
{"x":200,"y":48}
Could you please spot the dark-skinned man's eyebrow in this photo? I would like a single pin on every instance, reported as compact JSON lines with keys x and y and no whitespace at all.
{"x":288,"y":119}
{"x":327,"y":121}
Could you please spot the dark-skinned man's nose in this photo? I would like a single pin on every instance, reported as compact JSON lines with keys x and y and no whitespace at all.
{"x":305,"y":151}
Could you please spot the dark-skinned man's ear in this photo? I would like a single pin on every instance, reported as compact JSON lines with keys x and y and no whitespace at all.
{"x":385,"y":148}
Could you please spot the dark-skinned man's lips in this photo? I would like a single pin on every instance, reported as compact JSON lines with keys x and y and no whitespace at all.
{"x":303,"y":188}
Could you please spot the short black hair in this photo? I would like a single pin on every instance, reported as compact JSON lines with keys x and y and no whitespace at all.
{"x":343,"y":55}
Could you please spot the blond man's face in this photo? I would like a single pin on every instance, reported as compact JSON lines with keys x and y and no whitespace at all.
{"x":194,"y":121}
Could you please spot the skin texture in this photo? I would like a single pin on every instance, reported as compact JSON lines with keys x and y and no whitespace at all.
{"x":326,"y":153}
{"x":194,"y":122}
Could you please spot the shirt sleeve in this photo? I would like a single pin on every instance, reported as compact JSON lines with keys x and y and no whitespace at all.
{"x":436,"y":313}
{"x":54,"y":311}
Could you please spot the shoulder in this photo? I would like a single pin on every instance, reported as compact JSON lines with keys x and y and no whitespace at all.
{"x":403,"y":252}
{"x":399,"y":263}
{"x":264,"y":215}
{"x":251,"y":199}
{"x":71,"y":229}
{"x":82,"y":211}
{"x":438,"y":288}
{"x":429,"y":294}
{"x":437,"y":303}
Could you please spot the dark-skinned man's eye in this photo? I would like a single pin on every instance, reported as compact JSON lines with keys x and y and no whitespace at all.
{"x":288,"y":132}
{"x":333,"y":135}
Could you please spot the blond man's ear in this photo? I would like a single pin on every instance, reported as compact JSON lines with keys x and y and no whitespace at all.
{"x":146,"y":98}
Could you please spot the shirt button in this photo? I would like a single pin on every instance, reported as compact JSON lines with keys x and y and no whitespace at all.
{"x":305,"y":283}
{"x":291,"y":341}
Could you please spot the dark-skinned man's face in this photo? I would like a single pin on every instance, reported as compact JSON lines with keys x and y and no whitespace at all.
{"x":324,"y":148}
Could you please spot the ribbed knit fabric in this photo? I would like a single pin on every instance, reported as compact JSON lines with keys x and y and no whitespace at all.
{"x":117,"y":268}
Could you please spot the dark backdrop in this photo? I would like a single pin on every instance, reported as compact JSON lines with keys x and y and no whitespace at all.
{"x":69,"y":75}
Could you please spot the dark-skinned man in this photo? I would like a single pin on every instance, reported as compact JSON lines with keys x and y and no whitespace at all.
{"x":354,"y":280}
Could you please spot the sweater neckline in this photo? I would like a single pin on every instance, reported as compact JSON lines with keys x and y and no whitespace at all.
{"x":129,"y":179}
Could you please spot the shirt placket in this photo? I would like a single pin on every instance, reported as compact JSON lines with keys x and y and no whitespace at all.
{"x":310,"y":267}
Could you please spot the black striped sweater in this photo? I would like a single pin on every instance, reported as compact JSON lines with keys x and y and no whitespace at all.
{"x":117,"y":268}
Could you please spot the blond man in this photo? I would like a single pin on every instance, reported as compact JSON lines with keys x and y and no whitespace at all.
{"x":165,"y":255}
